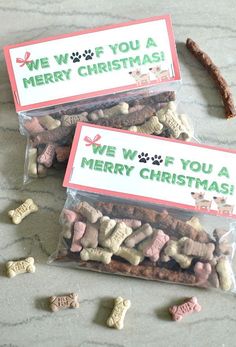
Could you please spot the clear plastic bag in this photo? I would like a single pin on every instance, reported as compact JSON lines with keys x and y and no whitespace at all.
{"x":50,"y":131}
{"x":153,"y":242}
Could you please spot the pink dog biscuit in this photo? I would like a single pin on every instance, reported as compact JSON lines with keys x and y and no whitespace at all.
{"x":178,"y":312}
{"x":62,"y":153}
{"x":153,"y":249}
{"x":132,"y":223}
{"x":47,"y":156}
{"x":79,"y":229}
{"x":139,"y":235}
{"x":202,"y":271}
{"x":69,"y":217}
{"x":33,"y":126}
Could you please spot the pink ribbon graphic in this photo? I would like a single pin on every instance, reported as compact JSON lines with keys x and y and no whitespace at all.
{"x":22,"y":62}
{"x":92,"y":142}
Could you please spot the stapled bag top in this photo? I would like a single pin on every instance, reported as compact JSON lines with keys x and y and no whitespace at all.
{"x":92,"y":63}
{"x":148,"y":168}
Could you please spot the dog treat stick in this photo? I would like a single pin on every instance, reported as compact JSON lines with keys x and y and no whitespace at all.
{"x":51,"y":135}
{"x":124,"y":120}
{"x":215,"y":73}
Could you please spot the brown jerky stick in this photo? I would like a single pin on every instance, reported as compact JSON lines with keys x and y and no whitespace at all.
{"x":51,"y":135}
{"x":126,"y":120}
{"x":215,"y":73}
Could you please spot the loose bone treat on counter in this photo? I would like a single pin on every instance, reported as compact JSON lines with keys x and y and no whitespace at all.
{"x":154,"y":244}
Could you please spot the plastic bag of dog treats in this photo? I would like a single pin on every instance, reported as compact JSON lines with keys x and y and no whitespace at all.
{"x":123,"y":76}
{"x":150,"y":207}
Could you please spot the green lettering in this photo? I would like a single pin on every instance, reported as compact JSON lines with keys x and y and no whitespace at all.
{"x":44,"y":63}
{"x":169,"y":160}
{"x":166,"y":177}
{"x":39,"y":80}
{"x":224,"y":172}
{"x":155,"y":175}
{"x":203,"y":184}
{"x":129,"y":154}
{"x":28,"y":82}
{"x":224,"y":188}
{"x":111,"y":151}
{"x":151,"y":43}
{"x":67,"y":73}
{"x":128,"y":169}
{"x":114,"y":48}
{"x":48,"y":78}
{"x":108,"y":167}
{"x":81,"y":73}
{"x":214,"y":187}
{"x":184,"y":163}
{"x":98,"y":165}
{"x":118,"y":169}
{"x":146,"y":59}
{"x":99,"y":149}
{"x":33,"y":65}
{"x":156,"y":57}
{"x":62,"y":58}
{"x":143,"y":172}
{"x":85,"y":162}
{"x":102,"y":67}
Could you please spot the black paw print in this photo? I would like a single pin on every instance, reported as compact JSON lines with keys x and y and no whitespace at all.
{"x":88,"y":54}
{"x":143,"y":158}
{"x":156,"y":160}
{"x":75,"y":57}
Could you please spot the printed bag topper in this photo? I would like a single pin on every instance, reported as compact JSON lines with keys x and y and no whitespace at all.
{"x":149,"y":168}
{"x":92,"y":63}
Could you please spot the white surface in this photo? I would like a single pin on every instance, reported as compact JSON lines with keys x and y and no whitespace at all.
{"x":24,"y":319}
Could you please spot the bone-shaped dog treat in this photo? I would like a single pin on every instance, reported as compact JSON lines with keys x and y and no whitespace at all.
{"x":32,"y":162}
{"x":173,"y":250}
{"x":22,"y":211}
{"x":202,"y":271}
{"x":133,"y":256}
{"x":120,"y":233}
{"x":89,"y":212}
{"x":121,"y":108}
{"x":116,"y":319}
{"x":47,"y":156}
{"x":97,"y":254}
{"x":188,"y":134}
{"x":79,"y":230}
{"x":170,"y":119}
{"x":64,"y":301}
{"x":105,"y":229}
{"x":62,"y":153}
{"x":95,"y":115}
{"x":33,"y":126}
{"x":198,"y":249}
{"x":49,"y":122}
{"x":68,"y":217}
{"x":195,"y":223}
{"x":132,"y":223}
{"x":135,"y":108}
{"x":121,"y":120}
{"x":153,"y":249}
{"x":139,"y":235}
{"x":152,"y":126}
{"x":90,"y":237}
{"x":223,"y":245}
{"x":42,"y":170}
{"x":189,"y":306}
{"x":21,"y":266}
{"x":224,"y":271}
{"x":68,"y":120}
{"x":49,"y":136}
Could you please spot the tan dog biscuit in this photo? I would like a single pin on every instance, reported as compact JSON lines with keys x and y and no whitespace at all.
{"x":68,"y":120}
{"x":116,"y":319}
{"x":133,"y":256}
{"x":65,"y":301}
{"x":96,"y":254}
{"x":132,"y":223}
{"x":151,"y":126}
{"x":22,"y":211}
{"x":32,"y":162}
{"x":224,"y":272}
{"x":120,"y":233}
{"x":173,"y":250}
{"x":139,"y":235}
{"x":105,"y":229}
{"x":49,"y":122}
{"x":89,"y":212}
{"x":198,"y":249}
{"x":21,"y":266}
{"x":90,"y":237}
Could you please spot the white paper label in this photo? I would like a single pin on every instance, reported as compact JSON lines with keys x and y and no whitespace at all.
{"x":90,"y":64}
{"x":148,"y":168}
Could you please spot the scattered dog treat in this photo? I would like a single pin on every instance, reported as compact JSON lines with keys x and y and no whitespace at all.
{"x":20,"y":266}
{"x":188,"y":307}
{"x":215,"y":73}
{"x":116,"y":319}
{"x":22,"y":211}
{"x":65,"y":301}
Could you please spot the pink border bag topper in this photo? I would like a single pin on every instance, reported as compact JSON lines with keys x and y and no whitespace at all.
{"x":92,"y":63}
{"x":115,"y":162}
